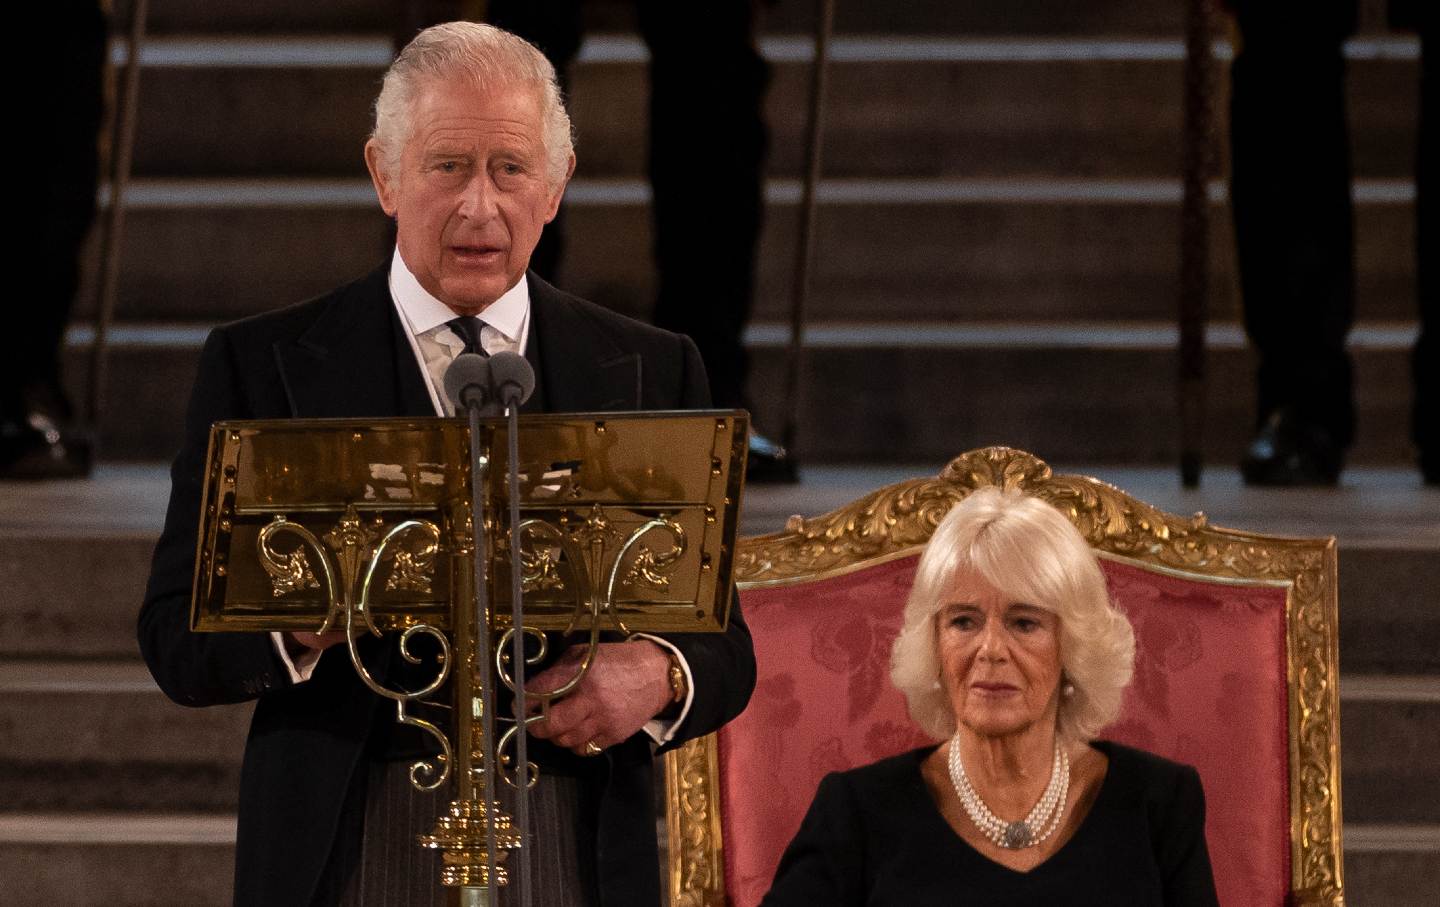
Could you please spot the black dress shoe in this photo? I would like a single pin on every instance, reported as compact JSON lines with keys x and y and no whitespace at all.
{"x":38,"y":448}
{"x":769,"y":463}
{"x":1288,"y":453}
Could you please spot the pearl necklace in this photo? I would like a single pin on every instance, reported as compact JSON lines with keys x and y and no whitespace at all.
{"x":1026,"y":832}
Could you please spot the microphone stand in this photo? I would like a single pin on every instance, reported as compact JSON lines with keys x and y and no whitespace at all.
{"x":479,"y":468}
{"x":517,"y":653}
{"x":473,"y":383}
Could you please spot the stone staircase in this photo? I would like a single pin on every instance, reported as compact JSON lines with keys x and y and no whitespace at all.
{"x":112,"y":795}
{"x":984,"y":168}
{"x":997,"y":264}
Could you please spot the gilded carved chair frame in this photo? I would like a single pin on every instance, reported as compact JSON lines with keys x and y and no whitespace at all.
{"x":897,"y":520}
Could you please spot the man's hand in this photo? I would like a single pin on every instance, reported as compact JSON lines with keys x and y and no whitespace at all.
{"x":628,"y":685}
{"x":299,"y":642}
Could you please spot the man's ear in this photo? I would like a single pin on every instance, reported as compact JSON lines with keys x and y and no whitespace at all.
{"x":559,"y":191}
{"x":384,"y":187}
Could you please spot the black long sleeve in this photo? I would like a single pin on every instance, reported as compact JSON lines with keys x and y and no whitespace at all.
{"x":199,"y":669}
{"x":824,"y":863}
{"x":1181,"y":853}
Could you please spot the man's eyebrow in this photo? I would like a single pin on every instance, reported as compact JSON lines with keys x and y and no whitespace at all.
{"x":445,"y":151}
{"x":455,"y":143}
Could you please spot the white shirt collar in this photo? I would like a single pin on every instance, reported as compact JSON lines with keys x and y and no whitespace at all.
{"x":422,"y":312}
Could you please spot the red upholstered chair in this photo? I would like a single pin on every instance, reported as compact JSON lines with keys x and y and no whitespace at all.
{"x":1235,"y":674}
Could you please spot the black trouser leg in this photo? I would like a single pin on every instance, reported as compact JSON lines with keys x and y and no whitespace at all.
{"x":1290,"y":192}
{"x":31,"y":379}
{"x":1426,"y":361}
{"x":556,"y":28}
{"x":707,"y":150}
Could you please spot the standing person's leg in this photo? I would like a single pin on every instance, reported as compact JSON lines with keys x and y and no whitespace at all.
{"x":556,"y":27}
{"x":1290,"y":192}
{"x":1426,"y":361}
{"x":37,"y":433}
{"x":707,"y":149}
{"x":707,"y":155}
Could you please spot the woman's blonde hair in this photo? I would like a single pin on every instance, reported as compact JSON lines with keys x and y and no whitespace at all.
{"x":1029,"y":551}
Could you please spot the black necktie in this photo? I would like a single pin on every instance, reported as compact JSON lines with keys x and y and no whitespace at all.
{"x":467,"y":328}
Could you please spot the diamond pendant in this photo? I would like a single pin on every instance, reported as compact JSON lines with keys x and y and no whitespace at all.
{"x":1017,"y":835}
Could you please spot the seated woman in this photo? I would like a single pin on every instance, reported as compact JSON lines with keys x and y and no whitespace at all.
{"x":1011,"y":653}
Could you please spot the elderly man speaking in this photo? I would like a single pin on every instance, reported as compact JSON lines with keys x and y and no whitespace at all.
{"x":470,"y":155}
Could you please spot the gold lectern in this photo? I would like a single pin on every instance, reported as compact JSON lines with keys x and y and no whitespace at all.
{"x":627,"y":523}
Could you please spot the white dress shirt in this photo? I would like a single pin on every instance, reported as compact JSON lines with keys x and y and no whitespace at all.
{"x":505,"y":325}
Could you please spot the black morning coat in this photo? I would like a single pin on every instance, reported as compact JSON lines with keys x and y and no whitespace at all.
{"x":345,"y":355}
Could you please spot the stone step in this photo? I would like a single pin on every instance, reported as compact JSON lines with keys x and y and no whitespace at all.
{"x":973,"y":250}
{"x":1387,"y":749}
{"x":922,"y":16}
{"x":74,"y":556}
{"x":899,"y":106}
{"x":937,"y":17}
{"x":88,"y":859}
{"x":1389,"y":866}
{"x":1388,"y":532}
{"x":1115,"y":404}
{"x":1403,"y":635}
{"x":164,"y":861}
{"x":166,"y":874}
{"x":910,"y":393}
{"x":83,"y":736}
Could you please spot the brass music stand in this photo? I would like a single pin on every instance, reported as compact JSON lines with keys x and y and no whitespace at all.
{"x":627,"y":524}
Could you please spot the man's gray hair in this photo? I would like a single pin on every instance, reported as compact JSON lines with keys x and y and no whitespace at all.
{"x":487,"y":56}
{"x":1029,"y":551}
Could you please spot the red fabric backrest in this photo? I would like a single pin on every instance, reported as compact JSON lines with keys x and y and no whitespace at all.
{"x":1209,"y":690}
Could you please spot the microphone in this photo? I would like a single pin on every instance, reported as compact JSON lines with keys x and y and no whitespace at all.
{"x":512,"y":380}
{"x":467,"y":382}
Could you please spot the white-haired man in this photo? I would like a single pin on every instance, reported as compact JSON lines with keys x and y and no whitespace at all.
{"x":470,"y":155}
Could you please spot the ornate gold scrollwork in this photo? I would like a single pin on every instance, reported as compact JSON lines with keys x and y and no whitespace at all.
{"x":414,"y":569}
{"x":288,"y":572}
{"x":693,"y":825}
{"x":539,"y":564}
{"x":351,"y":542}
{"x":509,"y":739}
{"x":434,"y":776}
{"x":651,"y":568}
{"x":569,"y":547}
{"x":605,"y":559}
{"x":898,"y":519}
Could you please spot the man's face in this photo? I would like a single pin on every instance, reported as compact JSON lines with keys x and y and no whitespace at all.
{"x":471,"y":192}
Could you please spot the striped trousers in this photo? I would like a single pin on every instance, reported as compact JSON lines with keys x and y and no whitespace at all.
{"x":376,"y":861}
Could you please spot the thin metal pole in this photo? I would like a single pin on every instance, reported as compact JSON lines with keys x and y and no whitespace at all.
{"x":517,"y":656}
{"x":127,"y":105}
{"x":1198,"y":166}
{"x":805,"y":244}
{"x":489,"y":791}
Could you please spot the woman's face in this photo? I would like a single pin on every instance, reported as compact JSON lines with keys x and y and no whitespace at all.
{"x":999,"y":659}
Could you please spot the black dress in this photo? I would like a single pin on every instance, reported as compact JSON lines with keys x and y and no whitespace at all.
{"x":874,"y":836}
